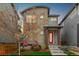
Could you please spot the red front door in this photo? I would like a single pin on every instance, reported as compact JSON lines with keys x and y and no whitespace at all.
{"x":51,"y":38}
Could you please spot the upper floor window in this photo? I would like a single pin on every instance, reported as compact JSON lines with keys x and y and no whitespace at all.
{"x":31,"y":18}
{"x":41,"y":16}
{"x":53,"y":19}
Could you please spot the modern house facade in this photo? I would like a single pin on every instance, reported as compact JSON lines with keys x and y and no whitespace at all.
{"x":41,"y":27}
{"x":70,"y":30}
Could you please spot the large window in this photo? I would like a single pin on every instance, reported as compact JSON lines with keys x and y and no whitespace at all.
{"x":31,"y":18}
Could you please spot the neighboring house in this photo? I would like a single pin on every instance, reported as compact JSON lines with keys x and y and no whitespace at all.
{"x":70,"y":30}
{"x":8,"y":26}
{"x":39,"y":26}
{"x":8,"y":23}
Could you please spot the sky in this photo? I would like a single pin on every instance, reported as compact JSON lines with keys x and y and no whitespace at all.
{"x":61,"y":9}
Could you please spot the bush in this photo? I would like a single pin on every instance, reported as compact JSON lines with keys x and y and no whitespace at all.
{"x":36,"y":47}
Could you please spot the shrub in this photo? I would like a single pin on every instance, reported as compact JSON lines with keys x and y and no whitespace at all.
{"x":36,"y":46}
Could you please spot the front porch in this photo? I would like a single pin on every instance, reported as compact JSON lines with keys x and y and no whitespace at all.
{"x":52,"y":35}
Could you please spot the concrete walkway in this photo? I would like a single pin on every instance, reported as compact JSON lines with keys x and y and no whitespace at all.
{"x":55,"y":50}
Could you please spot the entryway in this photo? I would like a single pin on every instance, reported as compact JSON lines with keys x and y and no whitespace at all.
{"x":52,"y":37}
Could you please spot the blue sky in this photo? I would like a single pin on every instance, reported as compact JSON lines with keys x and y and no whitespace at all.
{"x":55,"y":8}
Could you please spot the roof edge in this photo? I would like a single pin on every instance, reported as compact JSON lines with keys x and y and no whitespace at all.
{"x":53,"y":15}
{"x":13,"y":6}
{"x":68,"y":13}
{"x":34,"y":7}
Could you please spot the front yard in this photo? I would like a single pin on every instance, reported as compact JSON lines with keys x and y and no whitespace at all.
{"x":38,"y":53}
{"x":32,"y":53}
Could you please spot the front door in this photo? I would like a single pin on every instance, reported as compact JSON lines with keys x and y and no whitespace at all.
{"x":51,"y":37}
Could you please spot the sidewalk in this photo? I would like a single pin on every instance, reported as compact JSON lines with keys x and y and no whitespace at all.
{"x":55,"y":50}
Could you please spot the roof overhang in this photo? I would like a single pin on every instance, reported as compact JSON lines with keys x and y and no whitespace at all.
{"x":58,"y":27}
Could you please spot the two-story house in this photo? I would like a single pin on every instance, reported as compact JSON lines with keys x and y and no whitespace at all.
{"x":41,"y":27}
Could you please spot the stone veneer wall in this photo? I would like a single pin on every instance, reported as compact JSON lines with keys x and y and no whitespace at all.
{"x":35,"y":31}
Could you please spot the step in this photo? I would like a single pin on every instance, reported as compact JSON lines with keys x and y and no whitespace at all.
{"x":58,"y":54}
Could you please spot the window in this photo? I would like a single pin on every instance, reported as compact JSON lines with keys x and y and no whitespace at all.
{"x":34,"y":18}
{"x":31,"y":19}
{"x":41,"y":16}
{"x":53,"y":19}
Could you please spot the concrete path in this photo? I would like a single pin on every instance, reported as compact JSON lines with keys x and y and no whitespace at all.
{"x":55,"y":50}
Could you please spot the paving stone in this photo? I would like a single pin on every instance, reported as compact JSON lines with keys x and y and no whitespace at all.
{"x":55,"y":50}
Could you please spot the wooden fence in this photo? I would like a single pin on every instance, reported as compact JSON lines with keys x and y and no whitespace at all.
{"x":7,"y":48}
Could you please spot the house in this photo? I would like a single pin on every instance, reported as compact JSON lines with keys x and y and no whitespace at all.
{"x":8,"y":28}
{"x":40,"y":26}
{"x":70,"y":30}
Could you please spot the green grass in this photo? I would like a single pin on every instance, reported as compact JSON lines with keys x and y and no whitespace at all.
{"x":40,"y":54}
{"x":32,"y":53}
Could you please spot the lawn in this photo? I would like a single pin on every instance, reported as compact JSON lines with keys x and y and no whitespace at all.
{"x":40,"y":54}
{"x":32,"y":53}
